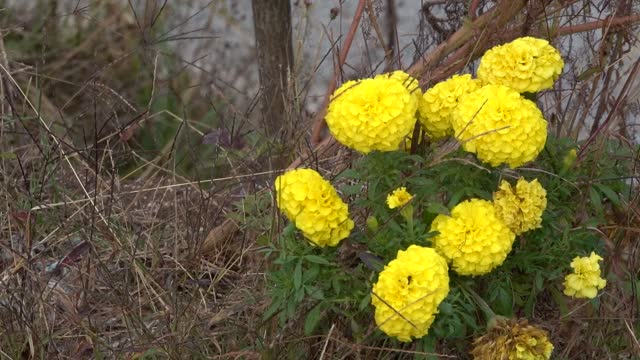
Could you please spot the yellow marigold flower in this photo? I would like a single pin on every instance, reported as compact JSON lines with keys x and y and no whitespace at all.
{"x":526,"y":65}
{"x":521,"y":207}
{"x":500,"y":126}
{"x":372,"y":114}
{"x":438,"y":102}
{"x":408,"y":292}
{"x":473,"y":238}
{"x":409,"y":82}
{"x":399,"y":197}
{"x":513,"y":340}
{"x":313,"y":205}
{"x":585,"y":280}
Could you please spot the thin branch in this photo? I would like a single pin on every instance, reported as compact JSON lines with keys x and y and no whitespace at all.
{"x":318,"y":121}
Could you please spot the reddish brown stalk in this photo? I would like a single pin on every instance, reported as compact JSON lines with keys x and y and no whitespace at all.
{"x":617,"y":21}
{"x":473,"y":9}
{"x":318,"y":121}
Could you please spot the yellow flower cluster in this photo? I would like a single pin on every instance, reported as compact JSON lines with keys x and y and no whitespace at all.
{"x":513,"y":340}
{"x":521,"y":207}
{"x":373,"y":114}
{"x":500,"y":126}
{"x":526,"y":64}
{"x":585,"y":280}
{"x":438,"y":103}
{"x":408,"y":292}
{"x":313,"y":205}
{"x":473,"y":238}
{"x":399,"y":197}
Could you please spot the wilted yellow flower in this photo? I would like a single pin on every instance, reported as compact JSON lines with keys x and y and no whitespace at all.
{"x":399,"y":197}
{"x":585,"y":280}
{"x":438,"y":102}
{"x":526,"y":65}
{"x":500,"y":126}
{"x":408,"y":292}
{"x":313,"y":205}
{"x":473,"y":238}
{"x":513,"y":340}
{"x":521,"y":207}
{"x":372,"y":114}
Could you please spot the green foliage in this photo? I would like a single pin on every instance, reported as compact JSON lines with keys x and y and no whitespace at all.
{"x":312,"y":284}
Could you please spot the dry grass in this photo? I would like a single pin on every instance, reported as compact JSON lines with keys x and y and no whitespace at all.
{"x":122,"y":235}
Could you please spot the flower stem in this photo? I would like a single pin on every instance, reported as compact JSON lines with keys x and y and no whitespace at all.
{"x":486,"y":309}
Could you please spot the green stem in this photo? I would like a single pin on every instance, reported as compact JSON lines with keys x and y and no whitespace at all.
{"x":486,"y":309}
{"x":407,"y":214}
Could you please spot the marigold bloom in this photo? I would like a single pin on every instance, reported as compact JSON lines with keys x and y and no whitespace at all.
{"x":500,"y":126}
{"x":526,"y":65}
{"x":473,"y":238}
{"x":438,"y":102}
{"x":585,"y":280}
{"x":399,"y":197}
{"x":513,"y":340}
{"x":313,"y":205}
{"x":409,"y":82}
{"x":372,"y":114}
{"x":521,"y":207}
{"x":408,"y":292}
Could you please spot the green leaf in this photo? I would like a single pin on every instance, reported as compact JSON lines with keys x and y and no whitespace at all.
{"x":446,"y":308}
{"x":422,"y":182}
{"x":297,"y":275}
{"x":272,"y":309}
{"x":351,"y":189}
{"x":364,"y":302}
{"x":289,"y":230}
{"x":348,"y":174}
{"x":317,"y":259}
{"x":596,"y":201}
{"x":609,"y":193}
{"x":311,"y":274}
{"x":298,"y":296}
{"x":7,"y":155}
{"x":437,"y":208}
{"x":312,"y":320}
